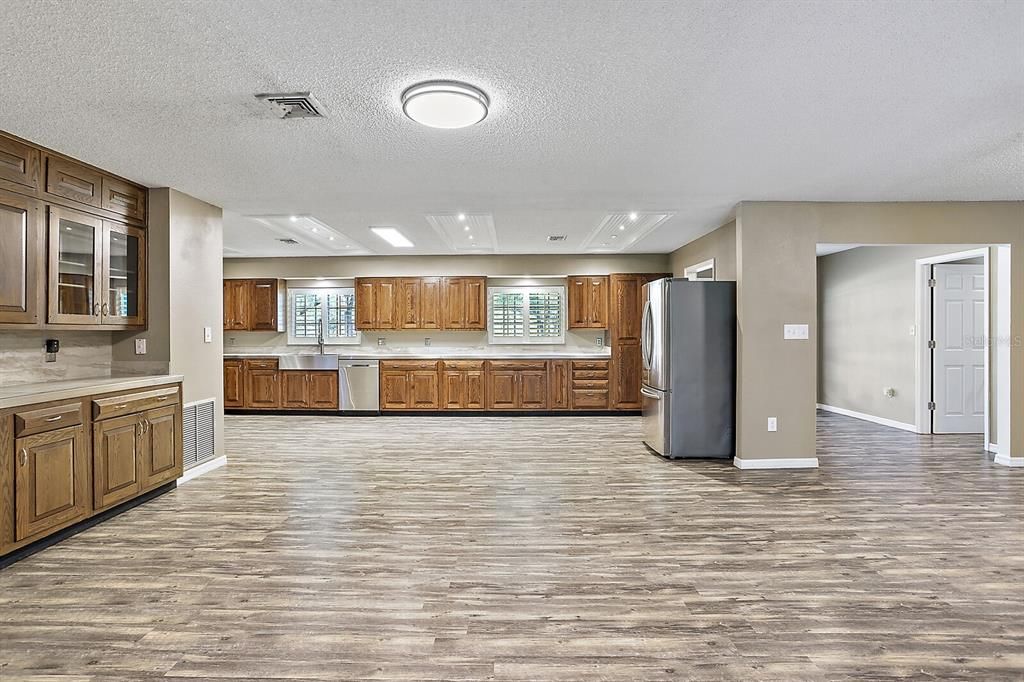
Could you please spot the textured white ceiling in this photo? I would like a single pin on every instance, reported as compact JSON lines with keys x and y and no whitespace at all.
{"x":598,"y":107}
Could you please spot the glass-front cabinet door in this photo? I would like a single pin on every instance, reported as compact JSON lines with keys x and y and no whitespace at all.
{"x":124,"y":277}
{"x":75,"y":259}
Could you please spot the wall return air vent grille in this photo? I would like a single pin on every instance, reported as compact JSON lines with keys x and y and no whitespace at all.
{"x":293,"y":105}
{"x":198,"y":421}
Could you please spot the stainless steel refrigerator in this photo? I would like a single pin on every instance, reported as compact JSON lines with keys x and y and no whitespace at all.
{"x":688,"y":347}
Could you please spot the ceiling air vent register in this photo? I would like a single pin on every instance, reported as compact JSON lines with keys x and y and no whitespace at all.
{"x":556,"y":237}
{"x":293,"y":105}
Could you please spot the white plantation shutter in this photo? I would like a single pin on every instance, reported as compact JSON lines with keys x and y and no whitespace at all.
{"x":526,"y":315}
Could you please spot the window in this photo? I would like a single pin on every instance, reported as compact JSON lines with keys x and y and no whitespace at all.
{"x":526,"y":314}
{"x":701,"y":271}
{"x":334,"y":309}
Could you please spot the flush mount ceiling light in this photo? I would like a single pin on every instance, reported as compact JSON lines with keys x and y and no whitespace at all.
{"x":392,"y":236}
{"x":445,"y":104}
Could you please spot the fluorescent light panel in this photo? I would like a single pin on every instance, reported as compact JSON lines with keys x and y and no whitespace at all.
{"x":393,"y":236}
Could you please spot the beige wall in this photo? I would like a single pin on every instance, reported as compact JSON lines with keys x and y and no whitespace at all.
{"x":720,"y":245}
{"x":777,"y":284}
{"x":186,"y":271}
{"x":496,"y":265}
{"x":867,"y":305}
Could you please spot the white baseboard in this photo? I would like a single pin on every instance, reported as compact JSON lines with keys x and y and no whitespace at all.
{"x":993,"y":448}
{"x":203,"y":468}
{"x":891,"y":423}
{"x":793,"y":463}
{"x":1008,"y":461}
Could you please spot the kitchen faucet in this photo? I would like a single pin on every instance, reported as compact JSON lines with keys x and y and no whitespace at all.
{"x":320,"y":336}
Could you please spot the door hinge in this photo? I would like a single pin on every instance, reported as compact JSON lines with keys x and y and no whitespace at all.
{"x":932,"y":345}
{"x":933,"y":283}
{"x":931,"y":406}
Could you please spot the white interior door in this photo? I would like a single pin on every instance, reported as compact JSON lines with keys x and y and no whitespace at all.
{"x":958,"y":360}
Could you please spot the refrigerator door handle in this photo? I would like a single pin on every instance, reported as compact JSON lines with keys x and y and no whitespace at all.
{"x":645,"y":335}
{"x":649,"y":393}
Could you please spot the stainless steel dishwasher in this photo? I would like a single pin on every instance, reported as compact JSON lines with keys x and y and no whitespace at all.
{"x":359,"y":385}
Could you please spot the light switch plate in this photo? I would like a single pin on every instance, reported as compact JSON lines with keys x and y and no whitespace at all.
{"x":140,"y":346}
{"x":207,"y":335}
{"x":796,"y":332}
{"x":773,"y":424}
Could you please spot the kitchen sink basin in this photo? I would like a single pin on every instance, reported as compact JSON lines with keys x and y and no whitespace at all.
{"x":309,"y":361}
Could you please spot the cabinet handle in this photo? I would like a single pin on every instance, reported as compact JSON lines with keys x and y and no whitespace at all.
{"x":24,"y":457}
{"x":96,"y":310}
{"x":121,"y":406}
{"x":54,"y":419}
{"x":162,"y":398}
{"x":105,"y":309}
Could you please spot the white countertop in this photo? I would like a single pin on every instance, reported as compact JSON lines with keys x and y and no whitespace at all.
{"x":427,"y":353}
{"x":28,"y":394}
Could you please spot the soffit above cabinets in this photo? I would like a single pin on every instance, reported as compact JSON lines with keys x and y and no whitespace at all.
{"x":618,"y":231}
{"x":307,"y":232}
{"x":466,"y":232}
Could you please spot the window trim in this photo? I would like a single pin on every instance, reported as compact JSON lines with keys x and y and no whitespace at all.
{"x":321,"y":292}
{"x":526,"y":339}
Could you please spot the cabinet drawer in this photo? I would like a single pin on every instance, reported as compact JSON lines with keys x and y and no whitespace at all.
{"x":599,"y":384}
{"x":265,"y":363}
{"x":471,"y":365}
{"x":590,"y":364}
{"x":47,"y":419}
{"x":69,"y":180}
{"x":124,"y":198}
{"x":115,"y":406}
{"x":519,"y":365}
{"x":589,"y":399}
{"x":19,"y":163}
{"x":409,"y":365}
{"x":589,"y":374}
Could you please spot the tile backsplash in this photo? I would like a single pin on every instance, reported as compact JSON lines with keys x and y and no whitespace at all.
{"x":82,"y":355}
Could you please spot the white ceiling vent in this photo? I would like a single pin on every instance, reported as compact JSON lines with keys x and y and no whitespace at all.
{"x":470,"y":232}
{"x":293,"y":105}
{"x":619,"y":231}
{"x":556,"y":237}
{"x":314,"y":235}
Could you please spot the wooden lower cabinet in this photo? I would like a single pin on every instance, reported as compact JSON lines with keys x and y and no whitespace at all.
{"x":462,"y":385}
{"x":161,"y":446}
{"x":626,"y":377}
{"x":262,"y":384}
{"x":517,"y":385}
{"x":323,"y":390}
{"x":294,"y":389}
{"x":558,"y":385}
{"x":590,"y":385}
{"x":51,"y":487}
{"x":117,"y":453}
{"x":234,"y":383}
{"x":410,"y":385}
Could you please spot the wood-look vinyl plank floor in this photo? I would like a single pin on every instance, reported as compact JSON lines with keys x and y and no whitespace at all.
{"x":489,"y":548}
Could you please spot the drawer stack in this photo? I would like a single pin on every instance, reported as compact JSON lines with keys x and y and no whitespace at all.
{"x":590,"y":386}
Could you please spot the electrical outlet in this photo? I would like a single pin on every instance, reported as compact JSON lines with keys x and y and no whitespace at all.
{"x":796,"y":332}
{"x":426,"y":341}
{"x":140,"y":346}
{"x":889,"y":392}
{"x":600,"y":340}
{"x":380,"y":340}
{"x":207,"y":335}
{"x":773,"y":424}
{"x":913,"y":330}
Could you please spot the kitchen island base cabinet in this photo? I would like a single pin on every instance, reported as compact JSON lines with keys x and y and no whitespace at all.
{"x":51,"y":481}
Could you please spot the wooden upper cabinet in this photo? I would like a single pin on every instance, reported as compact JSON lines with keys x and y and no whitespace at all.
{"x":21,"y":258}
{"x":70,"y":180}
{"x":588,"y":302}
{"x":19,"y":163}
{"x":124,"y":198}
{"x":76,"y":268}
{"x":236,"y":304}
{"x":465,"y":303}
{"x":430,"y":303}
{"x":409,"y":302}
{"x":124,"y":278}
{"x":377,"y":303}
{"x":266,"y":305}
{"x":51,"y":481}
{"x":234,"y":384}
{"x":625,"y":308}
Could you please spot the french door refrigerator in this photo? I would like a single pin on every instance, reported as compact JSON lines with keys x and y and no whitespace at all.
{"x":688,"y":348}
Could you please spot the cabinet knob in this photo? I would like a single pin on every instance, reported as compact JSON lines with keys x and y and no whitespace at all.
{"x":96,"y":309}
{"x":24,"y":457}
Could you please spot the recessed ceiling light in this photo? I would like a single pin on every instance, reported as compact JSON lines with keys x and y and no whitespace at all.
{"x":294,"y":218}
{"x":331,"y":239}
{"x":312,"y":229}
{"x":622,"y":227}
{"x":470,"y":236}
{"x":392,"y":236}
{"x":445,"y":104}
{"x":615,"y":236}
{"x":466,"y":228}
{"x":462,"y":217}
{"x":633,"y":216}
